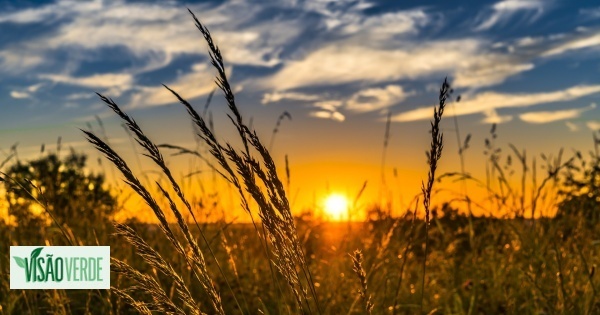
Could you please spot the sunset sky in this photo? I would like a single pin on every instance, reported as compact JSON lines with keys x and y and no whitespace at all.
{"x":338,"y":67}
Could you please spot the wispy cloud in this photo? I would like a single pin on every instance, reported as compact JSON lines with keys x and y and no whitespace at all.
{"x":157,"y":39}
{"x":293,"y":96}
{"x":19,"y":95}
{"x":82,"y":29}
{"x":591,"y":13}
{"x":347,"y":17}
{"x":98,"y":80}
{"x":377,"y":98}
{"x":27,"y":92}
{"x":198,"y":83}
{"x":365,"y":100}
{"x":472,"y":61}
{"x":350,"y":62}
{"x":385,"y":25}
{"x":572,"y":126}
{"x":371,"y":52}
{"x":486,"y":101}
{"x":19,"y":59}
{"x":501,"y":12}
{"x":49,"y":12}
{"x":330,"y":105}
{"x":542,"y":117}
{"x":79,"y":96}
{"x":110,"y":83}
{"x":328,"y":110}
{"x":492,"y":117}
{"x":593,"y":125}
{"x":324,"y":114}
{"x":578,"y":41}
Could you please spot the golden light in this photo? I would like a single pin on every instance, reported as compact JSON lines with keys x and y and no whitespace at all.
{"x":336,"y":206}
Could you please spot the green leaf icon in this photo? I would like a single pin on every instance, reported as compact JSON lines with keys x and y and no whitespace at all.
{"x":35,"y":253}
{"x":20,"y":261}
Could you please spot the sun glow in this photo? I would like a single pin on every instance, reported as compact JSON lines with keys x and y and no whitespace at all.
{"x":336,"y":206}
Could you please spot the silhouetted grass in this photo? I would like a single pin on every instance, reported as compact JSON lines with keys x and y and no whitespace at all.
{"x":523,"y":263}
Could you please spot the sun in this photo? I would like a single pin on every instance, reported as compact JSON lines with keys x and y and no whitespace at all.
{"x":336,"y":206}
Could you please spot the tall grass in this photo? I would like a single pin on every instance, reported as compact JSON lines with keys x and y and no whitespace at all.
{"x":251,"y":175}
{"x":284,"y":264}
{"x":433,"y":156}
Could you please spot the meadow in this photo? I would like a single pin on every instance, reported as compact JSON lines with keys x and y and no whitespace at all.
{"x":435,"y":259}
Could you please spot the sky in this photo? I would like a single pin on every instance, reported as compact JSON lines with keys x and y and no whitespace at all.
{"x":339,"y":68}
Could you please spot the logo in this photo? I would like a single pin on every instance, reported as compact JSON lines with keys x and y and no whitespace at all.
{"x":60,"y":267}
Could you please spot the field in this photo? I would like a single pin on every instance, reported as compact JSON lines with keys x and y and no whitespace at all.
{"x":435,"y":259}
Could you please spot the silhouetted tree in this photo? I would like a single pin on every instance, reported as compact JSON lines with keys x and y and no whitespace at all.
{"x":582,"y":191}
{"x":64,"y":188}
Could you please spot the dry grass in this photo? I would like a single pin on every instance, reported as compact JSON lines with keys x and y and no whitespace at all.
{"x":255,"y":176}
{"x":433,"y":157}
{"x":459,"y":265}
{"x":357,"y":262}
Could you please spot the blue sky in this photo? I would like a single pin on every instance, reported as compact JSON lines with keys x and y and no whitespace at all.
{"x":337,"y":66}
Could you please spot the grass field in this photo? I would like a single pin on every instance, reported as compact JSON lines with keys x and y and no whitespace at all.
{"x":443,"y":261}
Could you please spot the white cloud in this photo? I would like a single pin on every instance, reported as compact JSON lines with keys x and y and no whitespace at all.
{"x":377,"y":98}
{"x":19,"y":59}
{"x":374,"y":49}
{"x":35,"y":87}
{"x":19,"y":95}
{"x":483,"y":102}
{"x":27,"y":92}
{"x":543,"y":117}
{"x":198,"y":83}
{"x":49,"y":12}
{"x":529,"y":41}
{"x":332,"y":8}
{"x":103,"y":113}
{"x":492,"y":117}
{"x":350,"y":62}
{"x":587,"y":40}
{"x":157,"y":38}
{"x":108,"y":80}
{"x":501,"y":12}
{"x":337,"y":116}
{"x":293,"y":96}
{"x":79,"y":96}
{"x":591,"y":13}
{"x":572,"y":126}
{"x":472,"y":62}
{"x":384,"y":25}
{"x":489,"y":70}
{"x":330,"y":105}
{"x":154,"y":34}
{"x":593,"y":125}
{"x":365,"y":100}
{"x":113,"y":84}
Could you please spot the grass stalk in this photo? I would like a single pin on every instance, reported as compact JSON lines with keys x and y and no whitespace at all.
{"x":433,"y":156}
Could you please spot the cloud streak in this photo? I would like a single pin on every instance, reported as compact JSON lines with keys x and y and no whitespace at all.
{"x":350,"y":63}
{"x":503,"y":11}
{"x":293,"y":96}
{"x":543,"y":117}
{"x":365,"y":100}
{"x":377,"y":98}
{"x":198,"y":83}
{"x":593,"y":125}
{"x":487,"y":101}
{"x":325,"y":114}
{"x":156,"y":36}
